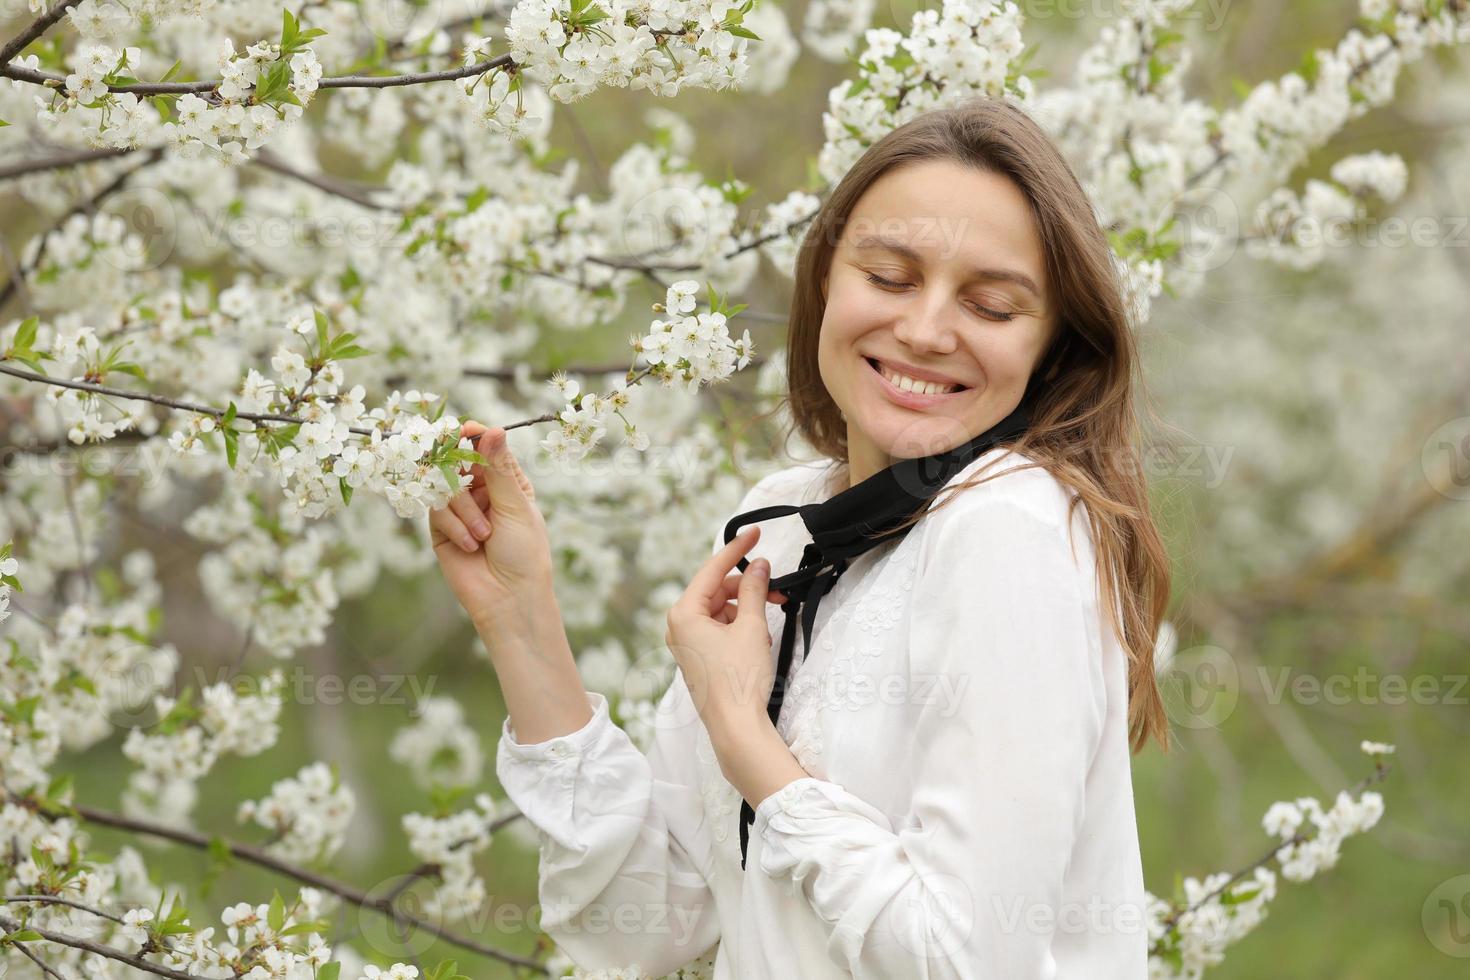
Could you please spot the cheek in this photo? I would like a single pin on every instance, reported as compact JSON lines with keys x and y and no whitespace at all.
{"x":850,"y":312}
{"x":1007,"y":356}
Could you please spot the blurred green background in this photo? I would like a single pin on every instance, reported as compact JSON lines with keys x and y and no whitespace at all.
{"x":1238,"y":584}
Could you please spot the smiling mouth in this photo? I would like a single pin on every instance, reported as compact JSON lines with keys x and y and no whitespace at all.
{"x":878,"y":369}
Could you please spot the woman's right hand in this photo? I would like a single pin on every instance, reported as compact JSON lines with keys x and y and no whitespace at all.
{"x":491,"y":539}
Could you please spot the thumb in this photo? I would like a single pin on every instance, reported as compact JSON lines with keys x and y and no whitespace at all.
{"x":509,"y":489}
{"x":754,"y":583}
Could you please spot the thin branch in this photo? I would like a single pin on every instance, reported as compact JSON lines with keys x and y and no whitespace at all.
{"x":61,"y":900}
{"x":22,"y":168}
{"x":256,"y":856}
{"x":86,"y":206}
{"x":402,"y":47}
{"x":207,"y":86}
{"x":13,"y":271}
{"x":39,"y":26}
{"x":509,"y":374}
{"x":1379,"y":773}
{"x":111,"y":952}
{"x":210,"y":410}
{"x":40,"y":963}
{"x":321,"y":182}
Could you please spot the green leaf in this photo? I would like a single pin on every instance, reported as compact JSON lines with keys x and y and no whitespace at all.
{"x":219,"y":859}
{"x":220,"y":851}
{"x":170,"y":73}
{"x":58,"y":788}
{"x":26,"y":335}
{"x":128,"y":367}
{"x":321,"y":329}
{"x":1235,"y":898}
{"x":23,"y":936}
{"x":276,"y":916}
{"x":346,"y":489}
{"x":329,"y":971}
{"x":30,"y":360}
{"x":740,"y":31}
{"x":349,"y":352}
{"x":232,"y":446}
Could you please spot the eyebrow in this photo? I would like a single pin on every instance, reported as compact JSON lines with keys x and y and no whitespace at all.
{"x":901,"y":248}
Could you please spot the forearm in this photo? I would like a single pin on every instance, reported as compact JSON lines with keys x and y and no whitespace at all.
{"x":753,"y":756}
{"x":544,"y":693}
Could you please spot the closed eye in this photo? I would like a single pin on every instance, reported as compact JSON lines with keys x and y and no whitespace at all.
{"x":985,"y":311}
{"x":878,"y":280}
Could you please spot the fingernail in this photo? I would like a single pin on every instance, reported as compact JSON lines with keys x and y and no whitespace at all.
{"x":761,"y":567}
{"x":482,"y":530}
{"x":468,"y":543}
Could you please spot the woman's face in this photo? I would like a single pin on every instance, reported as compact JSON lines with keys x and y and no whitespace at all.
{"x":939,"y":273}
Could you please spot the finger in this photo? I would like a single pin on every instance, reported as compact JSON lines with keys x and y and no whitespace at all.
{"x":520,"y":475}
{"x":473,"y":430}
{"x":706,"y":582}
{"x":754,"y":585}
{"x":444,"y":523}
{"x":729,"y":589}
{"x":509,"y":488}
{"x":470,"y":515}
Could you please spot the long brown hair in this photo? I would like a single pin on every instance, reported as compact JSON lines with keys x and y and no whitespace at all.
{"x":1083,"y":425}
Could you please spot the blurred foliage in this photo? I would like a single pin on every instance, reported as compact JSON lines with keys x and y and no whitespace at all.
{"x":1198,"y":807}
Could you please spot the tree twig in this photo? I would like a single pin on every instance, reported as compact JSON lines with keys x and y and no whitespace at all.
{"x":260,"y":858}
{"x":197,"y":409}
{"x":37,"y":27}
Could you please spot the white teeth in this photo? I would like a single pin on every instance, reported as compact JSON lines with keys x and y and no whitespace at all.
{"x":905,"y":383}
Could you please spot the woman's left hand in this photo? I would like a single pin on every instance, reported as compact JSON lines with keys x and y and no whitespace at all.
{"x":724,"y":651}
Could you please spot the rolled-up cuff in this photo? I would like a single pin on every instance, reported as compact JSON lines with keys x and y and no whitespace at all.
{"x":541,"y":777}
{"x":560,"y":746}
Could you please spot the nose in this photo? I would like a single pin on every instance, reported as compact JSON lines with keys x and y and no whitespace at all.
{"x":930,"y":326}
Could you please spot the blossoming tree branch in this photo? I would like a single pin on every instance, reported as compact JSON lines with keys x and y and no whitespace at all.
{"x":297,"y":415}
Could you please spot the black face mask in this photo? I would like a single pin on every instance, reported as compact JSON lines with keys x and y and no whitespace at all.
{"x":844,"y":527}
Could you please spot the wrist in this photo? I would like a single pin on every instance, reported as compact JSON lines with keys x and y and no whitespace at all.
{"x":733,"y":728}
{"x":519,"y":620}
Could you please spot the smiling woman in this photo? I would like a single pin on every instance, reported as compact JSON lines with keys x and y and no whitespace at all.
{"x":957,"y":328}
{"x":938,"y":281}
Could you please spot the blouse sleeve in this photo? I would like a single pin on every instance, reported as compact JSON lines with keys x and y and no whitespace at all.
{"x":970,"y":885}
{"x":621,"y":834}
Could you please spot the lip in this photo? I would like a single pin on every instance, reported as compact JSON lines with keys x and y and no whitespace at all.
{"x":910,"y":399}
{"x":918,"y":374}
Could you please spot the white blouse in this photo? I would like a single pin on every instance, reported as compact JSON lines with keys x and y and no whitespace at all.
{"x":969,"y":809}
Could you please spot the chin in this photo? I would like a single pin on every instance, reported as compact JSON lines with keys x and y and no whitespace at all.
{"x":925,"y":437}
